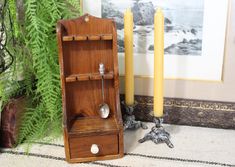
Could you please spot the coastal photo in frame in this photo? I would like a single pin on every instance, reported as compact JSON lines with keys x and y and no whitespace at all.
{"x":194,"y":37}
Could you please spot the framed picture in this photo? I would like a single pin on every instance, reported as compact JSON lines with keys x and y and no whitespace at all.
{"x":195,"y":33}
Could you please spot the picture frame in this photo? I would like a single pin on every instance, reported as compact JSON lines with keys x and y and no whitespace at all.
{"x":207,"y":67}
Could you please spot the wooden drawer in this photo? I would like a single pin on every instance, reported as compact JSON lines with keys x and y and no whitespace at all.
{"x":80,"y":147}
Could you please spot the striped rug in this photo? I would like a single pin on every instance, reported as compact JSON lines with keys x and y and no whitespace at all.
{"x":194,"y":147}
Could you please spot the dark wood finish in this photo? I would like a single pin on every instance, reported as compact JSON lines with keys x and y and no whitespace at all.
{"x":11,"y":118}
{"x":82,"y":47}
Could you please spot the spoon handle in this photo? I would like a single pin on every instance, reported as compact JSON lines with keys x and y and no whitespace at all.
{"x":101,"y":70}
{"x":102,"y":82}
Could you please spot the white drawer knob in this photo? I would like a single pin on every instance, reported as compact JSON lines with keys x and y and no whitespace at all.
{"x":94,"y":149}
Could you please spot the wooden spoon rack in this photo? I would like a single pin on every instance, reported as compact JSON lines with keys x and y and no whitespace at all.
{"x":83,"y":44}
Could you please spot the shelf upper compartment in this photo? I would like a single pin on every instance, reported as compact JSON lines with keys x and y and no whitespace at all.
{"x":82,"y":47}
{"x":88,"y":76}
{"x":88,"y":125}
{"x":88,"y":37}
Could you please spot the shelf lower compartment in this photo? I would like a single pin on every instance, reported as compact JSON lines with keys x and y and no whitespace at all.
{"x":85,"y":132}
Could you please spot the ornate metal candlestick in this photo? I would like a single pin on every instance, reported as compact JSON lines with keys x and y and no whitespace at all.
{"x":158,"y":134}
{"x":129,"y":121}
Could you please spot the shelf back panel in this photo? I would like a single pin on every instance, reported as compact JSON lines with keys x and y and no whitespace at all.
{"x":84,"y":98}
{"x":85,"y":56}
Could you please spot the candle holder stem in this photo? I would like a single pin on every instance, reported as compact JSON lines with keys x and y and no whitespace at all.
{"x":129,"y":120}
{"x":158,"y":134}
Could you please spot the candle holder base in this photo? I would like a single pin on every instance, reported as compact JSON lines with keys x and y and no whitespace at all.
{"x":158,"y":134}
{"x":129,"y":120}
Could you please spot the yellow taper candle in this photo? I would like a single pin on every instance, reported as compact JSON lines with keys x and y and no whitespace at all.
{"x":129,"y":70}
{"x":158,"y":63}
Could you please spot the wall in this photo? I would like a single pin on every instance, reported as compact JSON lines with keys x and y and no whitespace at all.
{"x":216,"y":91}
{"x":204,"y":90}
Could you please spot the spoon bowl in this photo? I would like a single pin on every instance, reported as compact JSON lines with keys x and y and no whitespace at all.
{"x":104,"y":110}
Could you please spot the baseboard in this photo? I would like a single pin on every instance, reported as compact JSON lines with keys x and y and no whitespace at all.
{"x":190,"y":112}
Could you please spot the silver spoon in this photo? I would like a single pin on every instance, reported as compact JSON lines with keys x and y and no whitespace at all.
{"x":104,"y":108}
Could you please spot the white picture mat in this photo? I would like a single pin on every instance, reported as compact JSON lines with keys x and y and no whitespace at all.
{"x":209,"y":66}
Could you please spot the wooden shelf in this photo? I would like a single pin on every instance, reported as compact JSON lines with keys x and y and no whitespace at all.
{"x":88,"y":76}
{"x":88,"y":37}
{"x":89,"y":125}
{"x":83,"y":44}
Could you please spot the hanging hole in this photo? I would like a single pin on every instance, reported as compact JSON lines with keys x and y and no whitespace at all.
{"x":86,"y":19}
